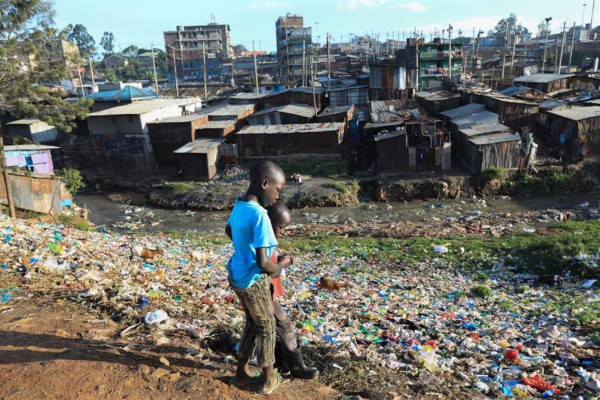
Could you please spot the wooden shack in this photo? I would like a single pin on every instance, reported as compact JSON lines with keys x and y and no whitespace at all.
{"x":234,"y":112}
{"x":283,"y":140}
{"x":289,"y":114}
{"x":392,"y":151}
{"x":547,"y":83}
{"x":437,"y":102}
{"x":199,"y":159}
{"x":168,"y":134}
{"x":217,"y":129}
{"x":574,"y":130}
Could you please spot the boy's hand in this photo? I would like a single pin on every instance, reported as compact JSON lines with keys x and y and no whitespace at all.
{"x":285,"y":260}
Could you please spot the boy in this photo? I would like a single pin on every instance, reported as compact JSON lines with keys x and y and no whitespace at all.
{"x":280,"y":218}
{"x":253,"y":241}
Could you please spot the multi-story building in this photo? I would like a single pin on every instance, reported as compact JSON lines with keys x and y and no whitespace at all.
{"x":188,"y":43}
{"x":294,"y":43}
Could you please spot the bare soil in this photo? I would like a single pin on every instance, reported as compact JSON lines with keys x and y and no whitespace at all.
{"x":58,"y":351}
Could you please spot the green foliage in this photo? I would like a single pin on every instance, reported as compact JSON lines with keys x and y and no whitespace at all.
{"x":27,"y":61}
{"x":482,"y":291}
{"x":492,"y":173}
{"x":177,"y":187}
{"x":522,"y":289}
{"x":514,"y":28}
{"x":337,"y":185}
{"x":108,"y":43}
{"x":507,"y":305}
{"x":480,"y":277}
{"x":72,"y":178}
{"x":85,"y":41}
{"x":111,"y":75}
{"x":74,"y":221}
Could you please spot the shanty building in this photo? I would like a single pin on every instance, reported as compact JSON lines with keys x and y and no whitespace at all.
{"x":336,"y":114}
{"x":284,"y":140}
{"x":420,"y":144}
{"x":198,"y":159}
{"x":120,"y":134}
{"x":232,"y":112}
{"x":547,"y":83}
{"x":574,"y":130}
{"x":290,"y":114}
{"x":439,"y":101}
{"x":169,"y":134}
{"x":218,"y":129}
{"x":32,"y":157}
{"x":33,"y":129}
{"x":481,"y":142}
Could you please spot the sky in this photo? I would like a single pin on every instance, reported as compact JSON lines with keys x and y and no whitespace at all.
{"x":141,"y":22}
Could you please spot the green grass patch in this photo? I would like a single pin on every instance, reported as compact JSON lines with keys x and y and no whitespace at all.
{"x":177,"y":187}
{"x":74,"y":221}
{"x":482,"y":291}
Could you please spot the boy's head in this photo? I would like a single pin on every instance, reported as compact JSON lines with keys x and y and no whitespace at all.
{"x":280,"y":217}
{"x":266,"y":181}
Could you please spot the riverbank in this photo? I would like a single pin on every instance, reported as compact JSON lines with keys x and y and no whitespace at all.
{"x":420,"y":317}
{"x":336,"y":189}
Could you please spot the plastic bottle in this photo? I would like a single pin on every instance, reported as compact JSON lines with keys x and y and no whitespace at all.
{"x":6,"y":297}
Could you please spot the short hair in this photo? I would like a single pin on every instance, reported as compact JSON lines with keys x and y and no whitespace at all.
{"x":279,"y":213}
{"x":264,"y":170}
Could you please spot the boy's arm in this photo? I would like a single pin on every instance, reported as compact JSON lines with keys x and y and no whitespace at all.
{"x":265,"y":262}
{"x":228,"y":232}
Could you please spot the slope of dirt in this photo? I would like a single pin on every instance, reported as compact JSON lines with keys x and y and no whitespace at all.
{"x":58,"y":351}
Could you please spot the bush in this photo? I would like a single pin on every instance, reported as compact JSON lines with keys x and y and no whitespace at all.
{"x":482,"y":291}
{"x":72,"y":178}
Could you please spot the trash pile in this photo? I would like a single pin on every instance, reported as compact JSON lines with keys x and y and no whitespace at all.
{"x":501,"y":335}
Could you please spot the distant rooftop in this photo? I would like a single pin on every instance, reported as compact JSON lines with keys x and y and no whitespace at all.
{"x":495,"y":138}
{"x":294,"y":109}
{"x":292,"y":128}
{"x":128,"y":93}
{"x":29,"y":147}
{"x":25,"y":121}
{"x":541,"y":78}
{"x":179,"y":119}
{"x":143,"y":107}
{"x":438,"y":95}
{"x":217,"y":124}
{"x":464,"y":110}
{"x":577,"y":113}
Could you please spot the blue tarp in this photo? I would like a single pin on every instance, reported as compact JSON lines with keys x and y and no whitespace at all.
{"x":128,"y":93}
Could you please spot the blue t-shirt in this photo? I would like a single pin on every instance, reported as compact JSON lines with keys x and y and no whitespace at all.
{"x":251,"y":229}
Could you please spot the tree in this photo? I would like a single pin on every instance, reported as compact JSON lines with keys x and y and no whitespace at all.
{"x":543,"y":29}
{"x":130,"y":51}
{"x":85,"y":41}
{"x":27,"y":63}
{"x":160,"y":58}
{"x":27,"y":36}
{"x":514,"y":28}
{"x":108,"y":43}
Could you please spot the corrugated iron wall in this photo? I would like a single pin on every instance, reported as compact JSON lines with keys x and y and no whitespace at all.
{"x":34,"y":193}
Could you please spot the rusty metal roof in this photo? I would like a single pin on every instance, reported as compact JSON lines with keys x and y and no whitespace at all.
{"x":292,"y":128}
{"x":199,"y":146}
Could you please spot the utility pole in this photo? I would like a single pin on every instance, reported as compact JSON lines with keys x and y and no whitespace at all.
{"x":545,"y":44}
{"x":181,"y":54}
{"x":313,"y":86}
{"x":328,"y":63}
{"x":92,"y":73}
{"x":175,"y":72}
{"x":154,"y":69}
{"x":303,"y":62}
{"x":204,"y":67}
{"x":505,"y":47}
{"x":255,"y":69}
{"x":572,"y":44}
{"x":80,"y":82}
{"x":562,"y":48}
{"x":450,"y":52}
{"x":556,"y":56}
{"x":9,"y":197}
{"x":592,"y":21}
{"x":512,"y":61}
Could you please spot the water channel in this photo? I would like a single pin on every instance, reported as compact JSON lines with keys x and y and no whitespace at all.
{"x":120,"y":217}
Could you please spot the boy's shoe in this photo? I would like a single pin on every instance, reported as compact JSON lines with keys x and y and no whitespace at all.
{"x":297,"y":367}
{"x":270,"y":390}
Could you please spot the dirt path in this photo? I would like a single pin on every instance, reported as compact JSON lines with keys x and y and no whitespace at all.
{"x":57,"y":351}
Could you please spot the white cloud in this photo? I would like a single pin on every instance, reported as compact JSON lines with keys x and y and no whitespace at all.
{"x":352,"y":5}
{"x":270,"y":4}
{"x":412,"y":6}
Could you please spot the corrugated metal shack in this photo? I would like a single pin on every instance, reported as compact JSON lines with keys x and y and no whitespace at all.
{"x":298,"y":95}
{"x":246,"y":98}
{"x":198,"y":159}
{"x":283,"y":140}
{"x":388,"y":81}
{"x":392,"y":151}
{"x":482,"y":142}
{"x":357,"y":95}
{"x":232,"y":112}
{"x":437,"y":102}
{"x":574,"y":130}
{"x":35,"y":192}
{"x":290,"y":114}
{"x":336,"y":114}
{"x":520,"y":115}
{"x":217,"y":129}
{"x":547,"y":83}
{"x":394,"y":110}
{"x":169,"y":134}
